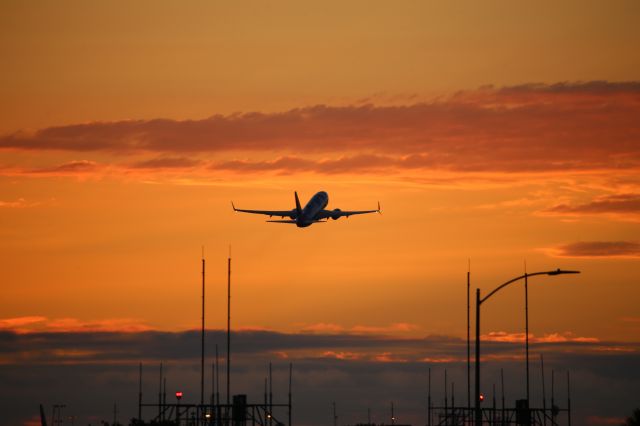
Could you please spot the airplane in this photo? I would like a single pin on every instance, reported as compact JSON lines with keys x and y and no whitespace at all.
{"x":313,"y":212}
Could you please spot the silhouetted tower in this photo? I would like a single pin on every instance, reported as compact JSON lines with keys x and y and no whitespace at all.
{"x":290,"y":374}
{"x":229,"y":327}
{"x":160,"y":393}
{"x":469,"y":337}
{"x":202,"y":340}
{"x":270,"y":397}
{"x":140,"y":393}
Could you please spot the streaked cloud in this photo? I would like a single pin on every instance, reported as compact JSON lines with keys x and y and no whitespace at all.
{"x":72,"y":167}
{"x":359,"y":329}
{"x":597,"y":249}
{"x":502,"y":336}
{"x":16,"y":204}
{"x":39,"y":324}
{"x":165,"y":163}
{"x":20,"y":324}
{"x":527,"y":128}
{"x":616,"y":204}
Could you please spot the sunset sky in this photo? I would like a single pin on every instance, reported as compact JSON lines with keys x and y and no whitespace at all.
{"x":496,"y":135}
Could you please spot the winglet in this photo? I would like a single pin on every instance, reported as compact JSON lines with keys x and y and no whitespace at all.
{"x":298,"y":208}
{"x":379,"y":209}
{"x":234,"y":207}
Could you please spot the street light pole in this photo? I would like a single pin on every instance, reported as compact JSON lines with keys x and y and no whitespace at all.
{"x":479,"y":301}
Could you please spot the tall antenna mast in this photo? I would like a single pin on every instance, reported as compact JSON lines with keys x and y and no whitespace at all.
{"x":217,"y":378}
{"x":202,"y":342}
{"x":228,"y":326}
{"x":469,"y":337}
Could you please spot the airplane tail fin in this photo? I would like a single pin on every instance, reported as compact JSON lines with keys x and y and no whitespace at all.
{"x":298,"y":208}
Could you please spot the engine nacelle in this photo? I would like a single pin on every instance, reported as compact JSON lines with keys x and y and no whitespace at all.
{"x":335,"y":215}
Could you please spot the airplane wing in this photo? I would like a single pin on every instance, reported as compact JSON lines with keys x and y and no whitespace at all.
{"x":337,"y":213}
{"x":282,"y":213}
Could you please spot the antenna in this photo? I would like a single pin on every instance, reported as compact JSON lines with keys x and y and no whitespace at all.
{"x":290,"y":374}
{"x":429,"y":400}
{"x":202,"y":335}
{"x":140,"y":393}
{"x":270,"y":396}
{"x":469,"y":336}
{"x":229,"y":328}
{"x":160,"y":393}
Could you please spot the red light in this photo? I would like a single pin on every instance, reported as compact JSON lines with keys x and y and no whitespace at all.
{"x":178,"y":395}
{"x":481,"y":397}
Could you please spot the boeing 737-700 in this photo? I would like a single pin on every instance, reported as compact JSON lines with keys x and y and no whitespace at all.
{"x":312,"y":213}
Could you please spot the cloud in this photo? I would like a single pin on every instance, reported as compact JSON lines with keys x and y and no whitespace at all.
{"x":165,"y":163}
{"x":341,"y":355}
{"x":76,"y":167}
{"x":599,"y":420}
{"x":528,"y":128}
{"x":502,"y":336}
{"x":609,"y":204}
{"x":17,"y":204}
{"x":359,"y":329}
{"x":598,"y":249}
{"x":38,"y":324}
{"x":20,"y":324}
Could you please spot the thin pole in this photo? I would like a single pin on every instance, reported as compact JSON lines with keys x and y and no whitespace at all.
{"x":393,"y":417}
{"x":477,"y":383}
{"x":213,"y":385}
{"x":290,"y":375}
{"x":553,"y":404}
{"x":493,"y":416}
{"x":469,"y":337}
{"x":502,"y":383}
{"x":544,"y":396}
{"x":228,"y":328}
{"x":270,"y":396}
{"x":140,"y":393}
{"x":429,"y":400}
{"x":218,"y":412}
{"x":164,"y":398}
{"x":217,"y":378}
{"x":202,"y":342}
{"x":335,"y":415}
{"x":569,"y":398}
{"x":453,"y":402}
{"x":526,"y":331}
{"x":446,"y":402}
{"x":160,"y":394}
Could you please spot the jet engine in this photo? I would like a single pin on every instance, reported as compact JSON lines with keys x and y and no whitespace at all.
{"x":335,"y":214}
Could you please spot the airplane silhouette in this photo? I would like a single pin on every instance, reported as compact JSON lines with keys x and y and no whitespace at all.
{"x":313,"y":212}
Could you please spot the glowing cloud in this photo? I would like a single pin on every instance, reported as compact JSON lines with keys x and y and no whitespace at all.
{"x":598,"y":249}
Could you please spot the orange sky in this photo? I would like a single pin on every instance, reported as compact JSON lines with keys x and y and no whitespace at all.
{"x":498,"y":132}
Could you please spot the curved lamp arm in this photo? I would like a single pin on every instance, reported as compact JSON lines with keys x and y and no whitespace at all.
{"x":556,"y":272}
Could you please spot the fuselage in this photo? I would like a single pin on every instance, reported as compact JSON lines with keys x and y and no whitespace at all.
{"x":316,"y":204}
